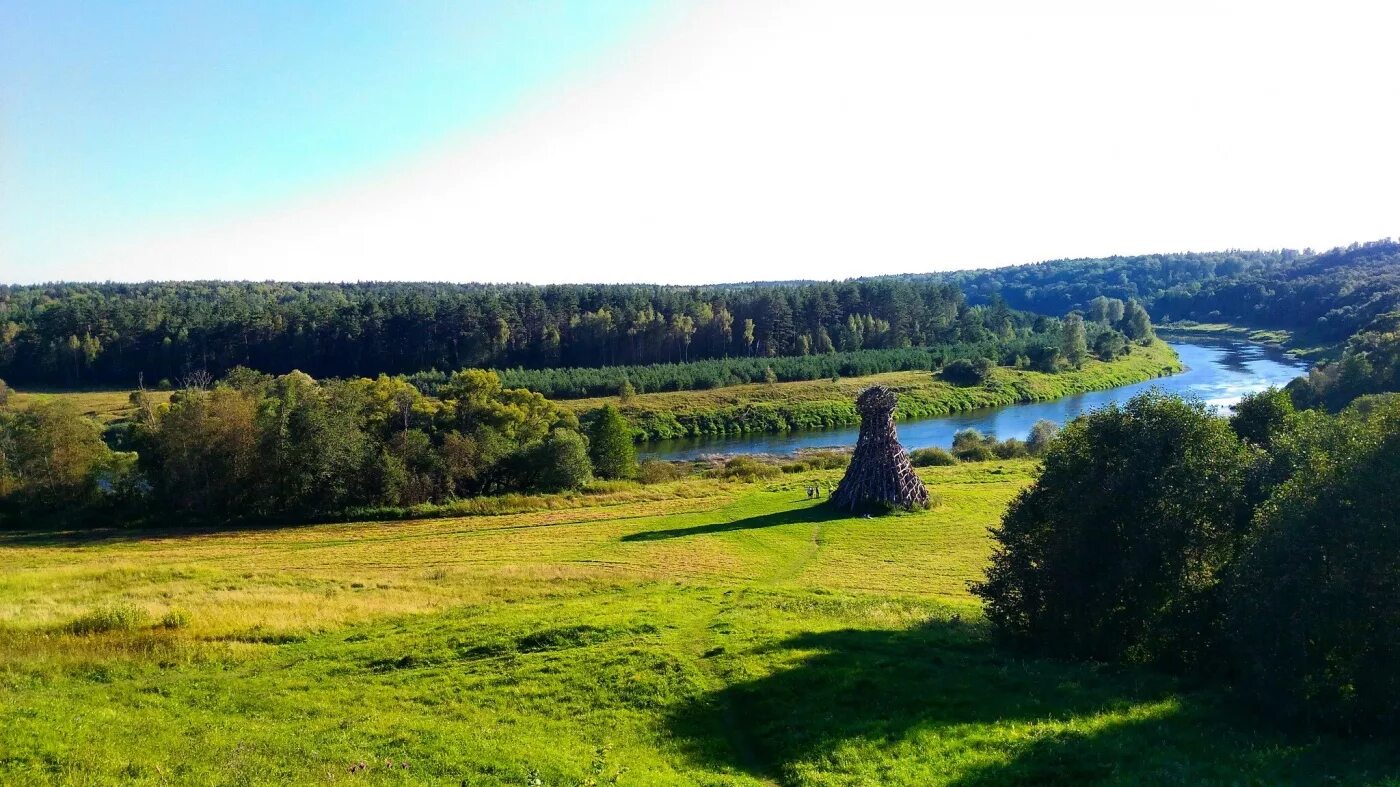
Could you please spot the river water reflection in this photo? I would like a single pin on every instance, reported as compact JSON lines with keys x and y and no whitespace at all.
{"x":1218,"y":372}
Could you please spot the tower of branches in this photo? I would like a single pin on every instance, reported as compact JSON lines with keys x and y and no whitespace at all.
{"x":880,"y":475}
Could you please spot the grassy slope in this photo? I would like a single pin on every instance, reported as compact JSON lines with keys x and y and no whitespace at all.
{"x":742,"y":636}
{"x":823,"y":403}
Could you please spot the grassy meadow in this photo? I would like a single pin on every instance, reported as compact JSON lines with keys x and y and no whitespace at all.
{"x":815,"y":404}
{"x":699,"y":632}
{"x":105,"y":406}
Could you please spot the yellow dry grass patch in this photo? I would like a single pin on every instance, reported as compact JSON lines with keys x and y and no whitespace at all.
{"x":105,"y":406}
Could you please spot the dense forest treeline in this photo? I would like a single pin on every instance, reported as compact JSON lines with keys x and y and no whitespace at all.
{"x":1330,"y":295}
{"x":1037,"y":344}
{"x":258,"y":446}
{"x":114,"y":334}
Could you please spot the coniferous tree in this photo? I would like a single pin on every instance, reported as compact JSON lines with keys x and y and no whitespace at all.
{"x":610,"y":445}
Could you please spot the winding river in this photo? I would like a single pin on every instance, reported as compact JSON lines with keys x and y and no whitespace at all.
{"x":1218,"y":372}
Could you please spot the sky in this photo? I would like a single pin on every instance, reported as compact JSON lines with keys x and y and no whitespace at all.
{"x":681,"y":141}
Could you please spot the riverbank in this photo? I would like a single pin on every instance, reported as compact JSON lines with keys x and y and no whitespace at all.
{"x":1296,"y":343}
{"x":823,"y":404}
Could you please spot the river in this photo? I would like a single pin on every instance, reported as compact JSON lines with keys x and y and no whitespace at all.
{"x":1218,"y":372}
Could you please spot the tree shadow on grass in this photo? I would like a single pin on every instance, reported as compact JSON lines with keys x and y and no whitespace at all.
{"x":796,"y":516}
{"x":947,"y":683}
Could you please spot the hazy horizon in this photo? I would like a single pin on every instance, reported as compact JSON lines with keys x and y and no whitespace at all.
{"x":682,"y":284}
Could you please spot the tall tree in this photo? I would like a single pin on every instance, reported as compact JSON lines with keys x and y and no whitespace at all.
{"x":1074,"y":344}
{"x":610,"y":445}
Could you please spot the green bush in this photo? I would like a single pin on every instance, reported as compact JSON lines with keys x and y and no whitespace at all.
{"x":747,"y":468}
{"x":561,"y":461}
{"x":969,"y":445}
{"x":967,"y":372}
{"x":932,"y":457}
{"x":1010,"y":448}
{"x":1116,"y":552}
{"x":118,"y":617}
{"x":655,"y":471}
{"x":1314,"y":600}
{"x":1042,"y":434}
{"x":610,"y":444}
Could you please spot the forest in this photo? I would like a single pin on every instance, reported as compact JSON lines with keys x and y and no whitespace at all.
{"x":252,"y":445}
{"x":258,"y":447}
{"x":121,"y":334}
{"x":1330,"y":295}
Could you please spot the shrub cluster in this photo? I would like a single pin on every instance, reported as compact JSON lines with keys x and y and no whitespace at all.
{"x":261,"y":446}
{"x":932,"y":457}
{"x":1261,"y":551}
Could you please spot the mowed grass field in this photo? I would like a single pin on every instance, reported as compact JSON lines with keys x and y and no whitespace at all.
{"x":716,"y":633}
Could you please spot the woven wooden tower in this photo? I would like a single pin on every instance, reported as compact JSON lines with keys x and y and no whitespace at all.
{"x":880,"y":475}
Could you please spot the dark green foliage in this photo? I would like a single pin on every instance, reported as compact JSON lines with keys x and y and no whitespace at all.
{"x":1045,"y":358}
{"x":4,"y":394}
{"x":1330,"y":295}
{"x":52,"y":458}
{"x":1370,"y":364}
{"x":1109,"y":345}
{"x":88,"y":334}
{"x":968,"y":372}
{"x":1115,"y":552}
{"x":575,"y":383}
{"x":263,"y":446}
{"x":970,"y":445}
{"x":610,"y":444}
{"x":1259,"y":419}
{"x":560,"y":461}
{"x":1315,"y":598}
{"x":932,"y":457}
{"x":1108,"y":311}
{"x":1136,"y":325}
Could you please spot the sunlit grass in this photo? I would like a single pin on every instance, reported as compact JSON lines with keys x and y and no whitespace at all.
{"x":732,"y":634}
{"x":104,"y":405}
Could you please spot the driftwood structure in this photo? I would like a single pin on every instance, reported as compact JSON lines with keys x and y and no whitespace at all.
{"x":880,"y":475}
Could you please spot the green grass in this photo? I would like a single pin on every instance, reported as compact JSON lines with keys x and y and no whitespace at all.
{"x":818,"y":404}
{"x":743,"y":636}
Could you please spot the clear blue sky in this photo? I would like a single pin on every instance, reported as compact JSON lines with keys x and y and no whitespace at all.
{"x":122,"y":117}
